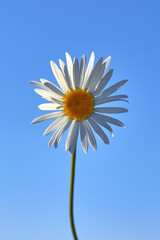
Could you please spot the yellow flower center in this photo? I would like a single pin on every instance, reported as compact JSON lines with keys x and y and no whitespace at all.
{"x":78,"y":104}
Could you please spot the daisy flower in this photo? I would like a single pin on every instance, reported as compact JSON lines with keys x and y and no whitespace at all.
{"x":75,"y":105}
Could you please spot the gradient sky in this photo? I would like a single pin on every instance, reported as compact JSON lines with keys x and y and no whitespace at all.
{"x":117,"y":188}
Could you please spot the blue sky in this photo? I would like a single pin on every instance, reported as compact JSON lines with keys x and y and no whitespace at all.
{"x":117,"y":195}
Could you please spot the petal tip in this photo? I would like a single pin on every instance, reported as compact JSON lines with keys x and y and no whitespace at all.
{"x":51,"y":63}
{"x":60,"y":61}
{"x":67,"y":54}
{"x":55,"y":145}
{"x":95,"y":148}
{"x":66,"y":148}
{"x":85,"y":151}
{"x":93,"y":54}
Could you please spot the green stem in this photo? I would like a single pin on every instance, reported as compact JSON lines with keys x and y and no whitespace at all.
{"x":71,"y":196}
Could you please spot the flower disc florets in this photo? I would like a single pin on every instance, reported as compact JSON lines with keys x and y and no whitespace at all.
{"x":78,"y":104}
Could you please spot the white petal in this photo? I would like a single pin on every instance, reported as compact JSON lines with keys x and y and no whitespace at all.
{"x":65,"y":73}
{"x":48,"y":106}
{"x":48,"y":99}
{"x":48,"y":116}
{"x":42,"y":92}
{"x":49,"y":87}
{"x":84,"y":137}
{"x":59,"y":76}
{"x":49,"y":96}
{"x":108,"y":119}
{"x":60,"y":131}
{"x":54,"y":136}
{"x":82,"y":71}
{"x":54,"y":88}
{"x":111,"y":110}
{"x":100,"y":100}
{"x":51,"y":93}
{"x":103,"y":82}
{"x":113,"y":88}
{"x":43,"y":80}
{"x":90,"y":134}
{"x":99,"y":74}
{"x":54,"y":125}
{"x":89,"y":69}
{"x":94,"y":74}
{"x":70,"y":67}
{"x":72,"y":137}
{"x":76,"y":73}
{"x":103,"y":123}
{"x":107,"y":62}
{"x":99,"y":131}
{"x":97,"y":78}
{"x":38,"y":84}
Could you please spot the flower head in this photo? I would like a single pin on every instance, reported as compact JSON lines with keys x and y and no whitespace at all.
{"x":75,"y":103}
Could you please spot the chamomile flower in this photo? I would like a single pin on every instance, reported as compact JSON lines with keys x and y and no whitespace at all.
{"x":75,"y":105}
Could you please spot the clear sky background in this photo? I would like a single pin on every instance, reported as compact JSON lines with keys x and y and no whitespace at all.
{"x":117,"y":188}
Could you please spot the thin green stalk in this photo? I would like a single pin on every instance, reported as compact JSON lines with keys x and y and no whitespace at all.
{"x":71,"y":196}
